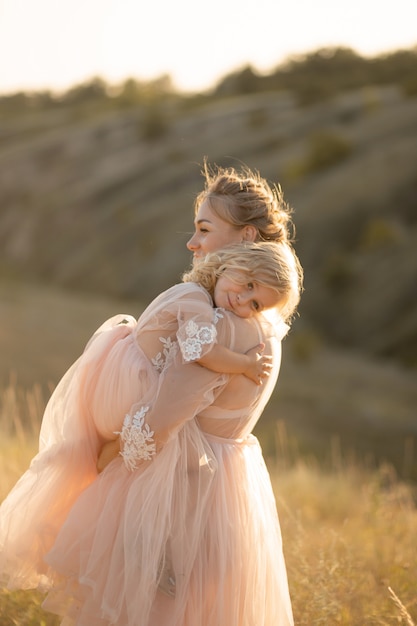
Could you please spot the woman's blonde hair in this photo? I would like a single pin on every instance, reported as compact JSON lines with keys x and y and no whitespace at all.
{"x":270,"y":264}
{"x":245,"y":198}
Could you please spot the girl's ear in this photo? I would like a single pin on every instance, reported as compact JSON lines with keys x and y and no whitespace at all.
{"x":249,"y":233}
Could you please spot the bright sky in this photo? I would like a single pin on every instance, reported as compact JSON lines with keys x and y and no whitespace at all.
{"x":54,"y":44}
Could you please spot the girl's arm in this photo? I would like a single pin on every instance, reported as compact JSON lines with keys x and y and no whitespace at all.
{"x":252,"y":364}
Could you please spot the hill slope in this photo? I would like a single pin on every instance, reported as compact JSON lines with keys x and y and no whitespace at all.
{"x":88,"y":203}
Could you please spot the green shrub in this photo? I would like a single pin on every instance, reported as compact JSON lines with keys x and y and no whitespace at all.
{"x":379,"y":232}
{"x":304,"y":345}
{"x":410,"y":87}
{"x":155,"y":124}
{"x":326,"y":149}
{"x":338,"y":274}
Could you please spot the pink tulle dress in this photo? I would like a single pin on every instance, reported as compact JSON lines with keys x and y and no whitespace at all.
{"x":181,"y":529}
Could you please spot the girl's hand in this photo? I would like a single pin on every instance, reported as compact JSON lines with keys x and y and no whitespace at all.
{"x":108,"y":453}
{"x":259,"y":365}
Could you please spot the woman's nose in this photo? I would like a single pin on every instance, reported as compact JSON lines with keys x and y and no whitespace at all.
{"x":191,"y":244}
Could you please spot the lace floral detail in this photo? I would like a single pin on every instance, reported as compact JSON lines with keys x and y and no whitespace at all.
{"x":197,"y":336}
{"x":137,"y":439}
{"x":162,"y":358}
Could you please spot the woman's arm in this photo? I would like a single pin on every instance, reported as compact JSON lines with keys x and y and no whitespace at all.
{"x":184,"y":390}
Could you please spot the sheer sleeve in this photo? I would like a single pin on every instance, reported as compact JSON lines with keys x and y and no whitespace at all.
{"x":183,"y":314}
{"x":184,"y":389}
{"x":197,"y":331}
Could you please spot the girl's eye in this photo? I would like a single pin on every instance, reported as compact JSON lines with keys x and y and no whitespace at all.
{"x":255,"y":305}
{"x":203,"y":230}
{"x":250,"y":286}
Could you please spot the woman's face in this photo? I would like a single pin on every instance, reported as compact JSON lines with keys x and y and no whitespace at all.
{"x":244,"y":300}
{"x":212,"y":233}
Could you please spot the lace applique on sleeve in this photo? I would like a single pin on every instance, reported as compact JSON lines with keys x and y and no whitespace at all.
{"x":163,"y":358}
{"x":137,"y":439}
{"x":196,"y":337}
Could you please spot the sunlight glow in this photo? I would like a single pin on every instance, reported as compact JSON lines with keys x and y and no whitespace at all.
{"x":52,"y":44}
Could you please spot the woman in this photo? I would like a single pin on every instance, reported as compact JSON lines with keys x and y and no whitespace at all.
{"x":182,"y":529}
{"x":233,"y":409}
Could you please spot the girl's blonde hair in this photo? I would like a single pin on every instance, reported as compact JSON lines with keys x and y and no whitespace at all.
{"x":245,"y":198}
{"x":270,"y":264}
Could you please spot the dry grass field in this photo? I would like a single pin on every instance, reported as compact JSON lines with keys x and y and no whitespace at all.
{"x":349,"y":533}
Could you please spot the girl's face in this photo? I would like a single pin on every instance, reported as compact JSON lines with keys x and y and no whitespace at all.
{"x":212,"y":233}
{"x":244,"y":300}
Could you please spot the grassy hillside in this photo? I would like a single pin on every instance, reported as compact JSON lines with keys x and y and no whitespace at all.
{"x":91,"y":204}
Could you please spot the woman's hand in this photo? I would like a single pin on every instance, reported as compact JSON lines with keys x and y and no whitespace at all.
{"x":259,"y":366}
{"x":108,"y":453}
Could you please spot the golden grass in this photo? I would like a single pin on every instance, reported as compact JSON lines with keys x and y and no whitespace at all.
{"x":349,"y":541}
{"x":349,"y":534}
{"x":20,"y":414}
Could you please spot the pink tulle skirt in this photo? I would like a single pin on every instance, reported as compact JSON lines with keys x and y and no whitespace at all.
{"x":190,"y":539}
